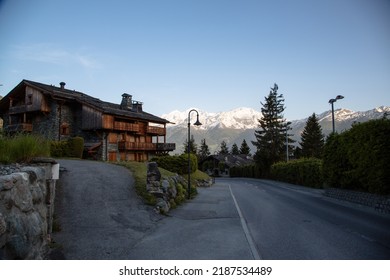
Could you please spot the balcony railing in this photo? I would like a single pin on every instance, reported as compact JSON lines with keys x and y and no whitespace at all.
{"x":20,"y":127}
{"x":124,"y":126}
{"x":156,"y":130}
{"x":24,"y":108}
{"x":137,"y":146}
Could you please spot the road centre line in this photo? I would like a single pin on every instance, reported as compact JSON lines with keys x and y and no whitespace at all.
{"x":248,"y":236}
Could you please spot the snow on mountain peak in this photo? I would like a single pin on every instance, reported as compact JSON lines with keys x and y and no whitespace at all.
{"x":240,"y":118}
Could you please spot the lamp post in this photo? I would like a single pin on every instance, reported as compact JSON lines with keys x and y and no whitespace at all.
{"x":331,"y":101}
{"x":197,"y":123}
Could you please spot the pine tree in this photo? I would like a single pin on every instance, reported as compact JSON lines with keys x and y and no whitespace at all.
{"x":244,"y":149}
{"x":235,"y":150}
{"x":312,"y":138}
{"x":224,"y":149}
{"x":204,"y":151}
{"x":193,"y":146}
{"x":273,"y":131}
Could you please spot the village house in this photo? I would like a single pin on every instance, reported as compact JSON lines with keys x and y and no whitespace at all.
{"x":111,"y":131}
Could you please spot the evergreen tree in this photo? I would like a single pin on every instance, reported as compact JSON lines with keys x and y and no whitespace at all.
{"x":235,"y":150}
{"x":224,"y":149}
{"x":312,"y":138}
{"x":273,"y":131}
{"x":193,"y":146}
{"x":244,"y":149}
{"x":204,"y":151}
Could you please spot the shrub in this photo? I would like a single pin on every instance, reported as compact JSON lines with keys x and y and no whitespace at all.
{"x":359,"y":158}
{"x":76,"y":146}
{"x":305,"y":172}
{"x":59,"y":149}
{"x":177,"y":164}
{"x":73,"y":147}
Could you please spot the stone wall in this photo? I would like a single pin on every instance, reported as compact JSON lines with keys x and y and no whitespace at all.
{"x":26,"y":210}
{"x":378,"y":202}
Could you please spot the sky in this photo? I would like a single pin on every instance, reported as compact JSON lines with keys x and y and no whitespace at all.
{"x":215,"y":55}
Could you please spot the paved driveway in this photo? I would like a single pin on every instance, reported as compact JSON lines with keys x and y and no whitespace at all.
{"x":100,"y":215}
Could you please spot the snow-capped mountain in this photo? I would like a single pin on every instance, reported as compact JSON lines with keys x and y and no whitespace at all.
{"x":236,"y":125}
{"x":240,"y":118}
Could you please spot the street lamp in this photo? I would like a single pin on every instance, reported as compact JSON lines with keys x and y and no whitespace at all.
{"x":331,"y":101}
{"x":197,"y":123}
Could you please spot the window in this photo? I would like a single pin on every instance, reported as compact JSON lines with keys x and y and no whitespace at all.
{"x":64,"y":129}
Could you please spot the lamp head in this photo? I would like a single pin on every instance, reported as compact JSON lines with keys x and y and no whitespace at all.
{"x":339,"y":97}
{"x":197,"y":123}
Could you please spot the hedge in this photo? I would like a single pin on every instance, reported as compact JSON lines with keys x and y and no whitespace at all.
{"x":359,"y":158}
{"x":177,"y":164}
{"x":73,"y":147}
{"x":304,"y":172}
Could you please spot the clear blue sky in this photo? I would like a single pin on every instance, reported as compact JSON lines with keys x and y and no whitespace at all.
{"x":214,"y":55}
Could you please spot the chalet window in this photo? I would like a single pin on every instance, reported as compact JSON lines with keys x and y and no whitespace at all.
{"x":64,"y":129}
{"x":29,"y":99}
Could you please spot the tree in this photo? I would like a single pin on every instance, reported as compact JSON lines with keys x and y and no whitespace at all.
{"x":235,"y":150}
{"x":204,"y":151}
{"x":273,"y":131}
{"x":224,"y":149}
{"x":193,"y":146}
{"x":244,"y":149}
{"x":312,"y":138}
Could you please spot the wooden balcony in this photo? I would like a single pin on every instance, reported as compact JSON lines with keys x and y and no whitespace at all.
{"x":124,"y":126}
{"x":20,"y":127}
{"x":137,"y":146}
{"x":156,"y":130}
{"x":27,"y":108}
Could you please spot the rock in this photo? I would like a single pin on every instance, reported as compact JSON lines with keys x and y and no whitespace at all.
{"x":153,"y":174}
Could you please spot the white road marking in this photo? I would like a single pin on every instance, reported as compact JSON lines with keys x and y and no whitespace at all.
{"x":248,"y":236}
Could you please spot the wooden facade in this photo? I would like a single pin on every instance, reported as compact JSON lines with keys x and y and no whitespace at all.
{"x":111,"y":131}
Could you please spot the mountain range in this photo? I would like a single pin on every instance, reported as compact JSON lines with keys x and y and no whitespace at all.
{"x":236,"y":125}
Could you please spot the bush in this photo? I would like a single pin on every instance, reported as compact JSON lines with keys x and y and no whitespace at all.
{"x":23,"y":148}
{"x":177,"y":164}
{"x":59,"y":149}
{"x":305,"y":172}
{"x":359,"y":158}
{"x":73,"y":147}
{"x":76,"y":146}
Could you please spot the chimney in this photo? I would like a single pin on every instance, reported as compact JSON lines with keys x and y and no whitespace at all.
{"x":127,"y":102}
{"x":62,"y":85}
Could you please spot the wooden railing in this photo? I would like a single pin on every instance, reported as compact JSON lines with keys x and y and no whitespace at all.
{"x":124,"y":126}
{"x":137,"y":146}
{"x":20,"y":127}
{"x":156,"y":130}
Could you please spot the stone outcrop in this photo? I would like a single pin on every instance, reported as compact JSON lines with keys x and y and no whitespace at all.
{"x":168,"y":191}
{"x":26,"y":210}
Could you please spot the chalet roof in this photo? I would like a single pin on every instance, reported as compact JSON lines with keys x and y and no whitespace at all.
{"x":80,"y":97}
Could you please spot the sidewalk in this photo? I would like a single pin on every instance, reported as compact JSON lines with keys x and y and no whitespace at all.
{"x":207,"y":227}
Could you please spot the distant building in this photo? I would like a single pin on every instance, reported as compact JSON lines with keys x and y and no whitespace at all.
{"x":219,"y":165}
{"x":111,"y":131}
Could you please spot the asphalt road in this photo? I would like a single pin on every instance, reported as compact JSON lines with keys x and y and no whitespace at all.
{"x":259,"y":219}
{"x":102,"y":218}
{"x":292,"y":222}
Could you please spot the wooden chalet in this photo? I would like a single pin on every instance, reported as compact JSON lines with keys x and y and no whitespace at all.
{"x":111,"y":131}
